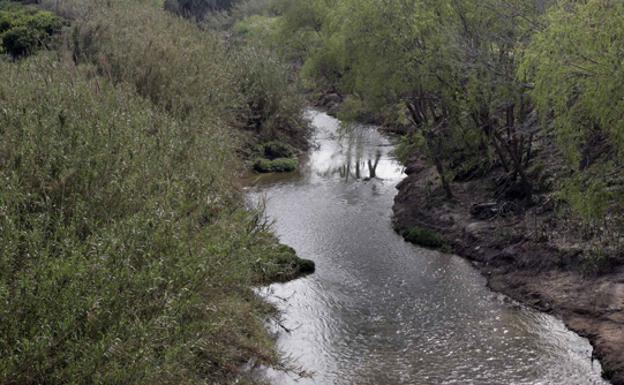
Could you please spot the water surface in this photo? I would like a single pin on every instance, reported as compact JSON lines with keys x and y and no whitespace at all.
{"x":381,"y":311}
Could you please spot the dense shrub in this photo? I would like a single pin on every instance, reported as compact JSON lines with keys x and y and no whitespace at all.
{"x":259,"y":28}
{"x":274,"y":150}
{"x":203,"y":78}
{"x":576,"y":66}
{"x":126,"y":255}
{"x":123,"y":258}
{"x":25,"y":29}
{"x":129,"y":42}
{"x":272,"y":105}
{"x":197,"y":9}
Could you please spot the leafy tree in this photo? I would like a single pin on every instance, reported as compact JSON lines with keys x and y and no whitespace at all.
{"x":491,"y":34}
{"x":388,"y":53}
{"x":575,"y":64}
{"x":451,"y":66}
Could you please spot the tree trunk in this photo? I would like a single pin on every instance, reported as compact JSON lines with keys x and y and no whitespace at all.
{"x":445,"y":183}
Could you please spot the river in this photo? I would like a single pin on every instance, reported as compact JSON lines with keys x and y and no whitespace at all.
{"x":381,"y":311}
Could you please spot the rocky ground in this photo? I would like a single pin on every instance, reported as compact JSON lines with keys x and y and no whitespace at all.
{"x":521,"y":258}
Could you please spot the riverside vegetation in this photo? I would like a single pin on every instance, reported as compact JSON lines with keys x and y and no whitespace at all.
{"x":532,"y":88}
{"x":510,"y":113}
{"x":511,"y":124}
{"x":127,"y":255}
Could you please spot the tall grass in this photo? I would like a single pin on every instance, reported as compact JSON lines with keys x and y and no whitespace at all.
{"x":189,"y":72}
{"x":126,"y":255}
{"x":167,"y":59}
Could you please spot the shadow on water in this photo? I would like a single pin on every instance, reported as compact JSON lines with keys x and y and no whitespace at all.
{"x":381,"y":311}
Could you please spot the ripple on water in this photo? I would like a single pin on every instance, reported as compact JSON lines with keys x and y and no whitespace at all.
{"x":381,"y":311}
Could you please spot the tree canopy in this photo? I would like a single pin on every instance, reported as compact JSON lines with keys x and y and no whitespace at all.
{"x":468,"y":79}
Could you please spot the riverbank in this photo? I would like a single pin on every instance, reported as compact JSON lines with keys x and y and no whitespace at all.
{"x":511,"y":250}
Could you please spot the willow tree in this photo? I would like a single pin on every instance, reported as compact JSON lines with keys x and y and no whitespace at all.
{"x":303,"y":27}
{"x":395,"y":52}
{"x":576,"y":66}
{"x":450,"y":65}
{"x":492,"y":33}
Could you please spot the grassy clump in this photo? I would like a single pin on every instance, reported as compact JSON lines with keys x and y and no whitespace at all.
{"x":424,"y":237}
{"x":276,"y":156}
{"x":276,"y":165}
{"x":286,"y":265}
{"x":24,"y":29}
{"x":126,"y":253}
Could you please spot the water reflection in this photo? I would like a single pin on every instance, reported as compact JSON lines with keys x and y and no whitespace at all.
{"x":381,"y":311}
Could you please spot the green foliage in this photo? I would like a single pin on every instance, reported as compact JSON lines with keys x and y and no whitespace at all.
{"x":353,"y":109}
{"x":275,"y":156}
{"x":271,"y":104}
{"x":575,"y":65}
{"x":274,"y":150}
{"x":285,"y":265}
{"x":300,"y":27}
{"x":259,"y":28}
{"x":424,"y":237}
{"x":197,"y":9}
{"x":588,"y":196}
{"x":410,"y":145}
{"x":264,"y":165}
{"x":24,"y":29}
{"x":248,"y":86}
{"x":128,"y":42}
{"x":126,"y":253}
{"x":449,"y":64}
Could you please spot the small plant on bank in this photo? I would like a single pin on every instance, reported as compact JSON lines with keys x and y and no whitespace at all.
{"x":285,"y":265}
{"x":424,"y":237}
{"x":275,"y":156}
{"x":276,"y":165}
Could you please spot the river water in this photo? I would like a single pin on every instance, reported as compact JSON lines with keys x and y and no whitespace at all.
{"x":381,"y":311}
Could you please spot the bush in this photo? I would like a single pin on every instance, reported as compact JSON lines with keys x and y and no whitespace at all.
{"x":272,"y":105}
{"x":424,"y":237}
{"x":129,"y":42}
{"x":277,"y":165}
{"x":261,"y":29}
{"x":126,"y":255}
{"x":273,"y":150}
{"x":248,"y":87}
{"x":567,"y":62}
{"x":197,"y":9}
{"x":24,"y":29}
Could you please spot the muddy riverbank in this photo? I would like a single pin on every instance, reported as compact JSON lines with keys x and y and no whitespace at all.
{"x":517,"y":261}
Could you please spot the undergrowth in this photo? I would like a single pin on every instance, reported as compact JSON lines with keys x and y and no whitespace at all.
{"x":126,"y":253}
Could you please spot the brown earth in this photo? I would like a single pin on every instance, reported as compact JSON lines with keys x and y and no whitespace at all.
{"x":525,"y":253}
